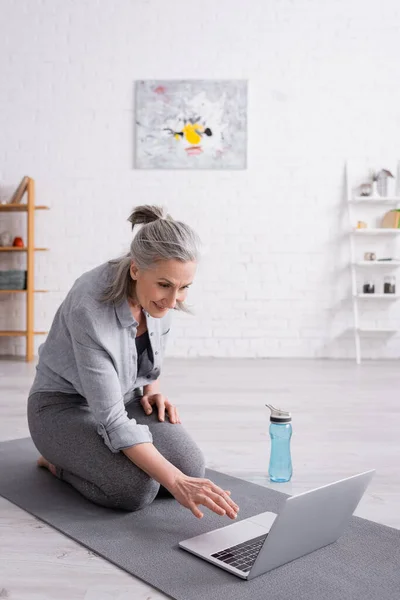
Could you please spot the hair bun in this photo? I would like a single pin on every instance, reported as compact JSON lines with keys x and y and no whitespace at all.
{"x":147,"y":214}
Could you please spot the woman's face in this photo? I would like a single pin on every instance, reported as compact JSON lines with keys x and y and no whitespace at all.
{"x":160,"y":288}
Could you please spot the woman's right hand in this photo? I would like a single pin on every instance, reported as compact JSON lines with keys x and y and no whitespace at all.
{"x":193,"y":491}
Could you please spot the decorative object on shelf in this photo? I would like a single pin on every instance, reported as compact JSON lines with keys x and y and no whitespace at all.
{"x":374,"y":184}
{"x":191,"y":124}
{"x":369,"y":287}
{"x":5,"y":238}
{"x":20,"y":191}
{"x":362,"y":225}
{"x":13,"y":279}
{"x":5,"y":191}
{"x":389,"y":284}
{"x":369,"y":256}
{"x":3,"y":197}
{"x":391,"y":219}
{"x":18,"y":242}
{"x":365,"y":189}
{"x":383,"y":181}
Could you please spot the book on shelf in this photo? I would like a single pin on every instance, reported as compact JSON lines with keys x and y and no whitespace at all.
{"x":391,"y":220}
{"x":19,"y":192}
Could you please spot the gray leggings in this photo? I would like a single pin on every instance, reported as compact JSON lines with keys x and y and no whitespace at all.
{"x":64,"y":432}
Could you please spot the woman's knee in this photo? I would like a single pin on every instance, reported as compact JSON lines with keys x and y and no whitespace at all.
{"x":191,"y":462}
{"x":134,"y":497}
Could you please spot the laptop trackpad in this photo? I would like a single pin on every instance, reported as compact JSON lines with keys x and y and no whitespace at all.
{"x":264,"y":519}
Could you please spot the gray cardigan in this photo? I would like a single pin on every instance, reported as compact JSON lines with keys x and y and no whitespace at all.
{"x":91,"y":351}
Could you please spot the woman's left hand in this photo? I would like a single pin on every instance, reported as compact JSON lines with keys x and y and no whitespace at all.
{"x":163,"y":405}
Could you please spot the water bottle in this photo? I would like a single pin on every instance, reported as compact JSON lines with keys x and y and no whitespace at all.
{"x":280,"y":430}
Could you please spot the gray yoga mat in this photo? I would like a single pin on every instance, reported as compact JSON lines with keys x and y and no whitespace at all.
{"x":364,"y":564}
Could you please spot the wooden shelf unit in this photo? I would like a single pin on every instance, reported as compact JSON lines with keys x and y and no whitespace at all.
{"x":17,"y":249}
{"x":21,"y":291}
{"x":20,"y":333}
{"x":30,"y":250}
{"x":21,"y":207}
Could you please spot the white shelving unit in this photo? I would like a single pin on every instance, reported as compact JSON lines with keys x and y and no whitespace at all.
{"x":374,"y":199}
{"x":378,"y":296}
{"x":377,"y":331}
{"x":389,"y":264}
{"x":357,"y":265}
{"x":378,"y":231}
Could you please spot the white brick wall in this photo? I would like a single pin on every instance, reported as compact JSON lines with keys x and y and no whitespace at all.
{"x":323,"y":85}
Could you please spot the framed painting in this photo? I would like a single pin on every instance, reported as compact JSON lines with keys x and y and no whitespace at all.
{"x":191,"y":124}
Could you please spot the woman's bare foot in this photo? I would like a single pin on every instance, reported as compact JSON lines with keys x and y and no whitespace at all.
{"x":42,"y":462}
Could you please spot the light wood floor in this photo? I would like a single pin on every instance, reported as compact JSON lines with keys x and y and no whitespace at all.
{"x":346,"y":419}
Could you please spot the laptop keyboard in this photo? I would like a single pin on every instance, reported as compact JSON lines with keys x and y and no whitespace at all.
{"x":242,"y":556}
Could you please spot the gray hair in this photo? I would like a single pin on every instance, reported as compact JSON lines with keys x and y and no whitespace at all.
{"x":159,"y":238}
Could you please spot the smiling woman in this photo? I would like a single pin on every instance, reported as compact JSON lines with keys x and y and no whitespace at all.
{"x":95,"y":409}
{"x":162,"y":248}
{"x":163,"y":287}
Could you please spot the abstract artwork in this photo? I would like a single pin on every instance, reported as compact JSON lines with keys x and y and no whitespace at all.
{"x":191,"y":124}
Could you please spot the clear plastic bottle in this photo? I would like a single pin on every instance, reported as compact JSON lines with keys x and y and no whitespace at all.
{"x":280,"y":431}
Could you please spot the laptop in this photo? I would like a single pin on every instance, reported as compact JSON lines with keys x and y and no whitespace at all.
{"x":306,"y":522}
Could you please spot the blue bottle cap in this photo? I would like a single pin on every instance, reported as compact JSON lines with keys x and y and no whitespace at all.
{"x":278,"y":415}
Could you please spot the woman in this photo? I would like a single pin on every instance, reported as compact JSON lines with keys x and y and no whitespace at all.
{"x":86,"y":412}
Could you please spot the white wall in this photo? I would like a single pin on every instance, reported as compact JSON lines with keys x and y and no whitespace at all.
{"x":323,"y":86}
